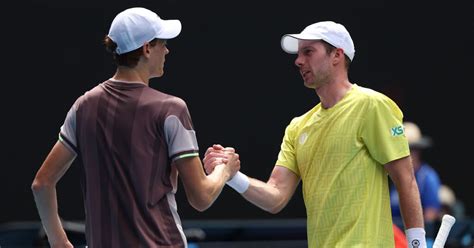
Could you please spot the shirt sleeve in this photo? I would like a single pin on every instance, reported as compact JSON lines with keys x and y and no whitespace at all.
{"x":67,"y":133}
{"x":383,"y":132}
{"x":287,"y":155}
{"x":179,"y":133}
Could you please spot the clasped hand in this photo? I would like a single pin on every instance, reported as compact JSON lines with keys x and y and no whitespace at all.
{"x":217,"y":155}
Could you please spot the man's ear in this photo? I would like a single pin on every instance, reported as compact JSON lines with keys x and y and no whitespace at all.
{"x":146,"y":49}
{"x":339,"y":56}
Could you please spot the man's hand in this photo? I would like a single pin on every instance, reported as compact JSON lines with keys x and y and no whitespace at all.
{"x":219,"y":155}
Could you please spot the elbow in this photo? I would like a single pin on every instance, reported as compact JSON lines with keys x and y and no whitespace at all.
{"x":277,"y":205}
{"x":39,"y":185}
{"x":201,"y":208}
{"x":201,"y":204}
{"x":275,"y":209}
{"x":202,"y":197}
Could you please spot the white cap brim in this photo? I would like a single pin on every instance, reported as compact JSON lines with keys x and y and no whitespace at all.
{"x":170,"y":29}
{"x":289,"y":42}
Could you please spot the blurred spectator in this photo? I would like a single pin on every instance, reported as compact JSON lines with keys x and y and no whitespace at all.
{"x":449,"y":203}
{"x":462,"y":233}
{"x":426,"y":177}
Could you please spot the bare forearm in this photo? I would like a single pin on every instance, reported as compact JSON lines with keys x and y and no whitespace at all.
{"x":203,"y":197}
{"x":410,"y":205}
{"x":273,"y":195}
{"x":265,"y":195}
{"x":216,"y":181}
{"x":44,"y":190}
{"x":46,"y":203}
{"x":402,"y":174}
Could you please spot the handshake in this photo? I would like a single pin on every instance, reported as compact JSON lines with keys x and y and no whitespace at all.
{"x":219,"y":156}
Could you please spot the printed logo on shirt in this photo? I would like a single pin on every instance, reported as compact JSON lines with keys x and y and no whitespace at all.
{"x":303,"y":138}
{"x":397,"y":131}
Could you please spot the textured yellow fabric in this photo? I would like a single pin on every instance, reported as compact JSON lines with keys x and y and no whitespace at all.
{"x":339,"y":154}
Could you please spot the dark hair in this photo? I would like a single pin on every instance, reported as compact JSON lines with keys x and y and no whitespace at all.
{"x":330,"y":48}
{"x":129,"y":59}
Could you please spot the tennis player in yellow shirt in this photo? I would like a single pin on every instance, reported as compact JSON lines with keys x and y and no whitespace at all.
{"x":341,"y":150}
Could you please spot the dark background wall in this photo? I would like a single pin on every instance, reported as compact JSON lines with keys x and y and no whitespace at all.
{"x":241,"y":88}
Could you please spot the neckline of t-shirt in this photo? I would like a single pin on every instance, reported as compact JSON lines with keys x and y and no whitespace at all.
{"x":343,"y":99}
{"x":126,"y":82}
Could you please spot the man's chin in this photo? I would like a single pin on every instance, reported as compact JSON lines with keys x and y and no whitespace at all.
{"x":310,"y":85}
{"x":157,"y":75}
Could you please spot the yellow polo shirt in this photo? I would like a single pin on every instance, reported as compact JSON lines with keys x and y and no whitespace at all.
{"x":339,"y":154}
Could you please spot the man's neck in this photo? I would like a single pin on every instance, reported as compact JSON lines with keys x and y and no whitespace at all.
{"x":330,"y":94}
{"x":127,"y":74}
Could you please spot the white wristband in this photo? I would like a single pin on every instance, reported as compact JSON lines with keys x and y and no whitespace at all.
{"x":416,"y":237}
{"x":240,"y":182}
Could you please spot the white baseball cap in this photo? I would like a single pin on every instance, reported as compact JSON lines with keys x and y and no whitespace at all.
{"x":132,"y":27}
{"x":329,"y":31}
